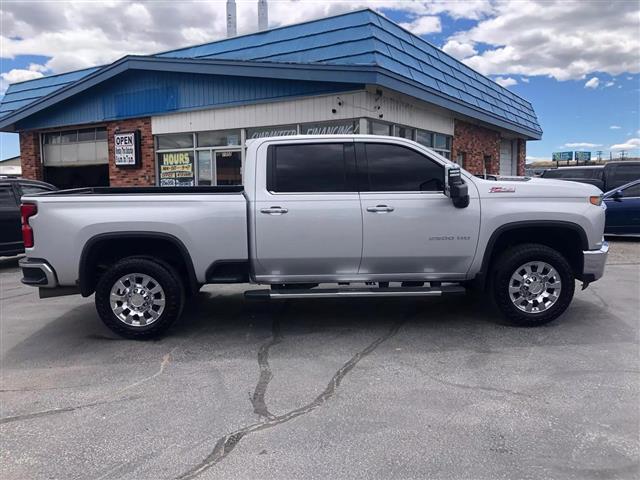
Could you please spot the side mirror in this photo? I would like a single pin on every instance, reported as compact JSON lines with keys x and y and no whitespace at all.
{"x":618,"y":195}
{"x":455,"y":188}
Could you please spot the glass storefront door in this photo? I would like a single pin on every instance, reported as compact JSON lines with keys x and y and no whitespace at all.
{"x":228,"y":167}
{"x":219,"y":167}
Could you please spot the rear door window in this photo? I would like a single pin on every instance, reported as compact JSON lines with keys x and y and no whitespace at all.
{"x":309,"y":168}
{"x":625,"y":173}
{"x":395,"y":168}
{"x":7,"y":198}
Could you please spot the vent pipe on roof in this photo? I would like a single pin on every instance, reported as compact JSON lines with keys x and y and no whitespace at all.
{"x":263,"y":15}
{"x":231,"y":18}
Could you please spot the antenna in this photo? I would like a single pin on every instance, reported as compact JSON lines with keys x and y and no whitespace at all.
{"x":231,"y":18}
{"x":263,"y":15}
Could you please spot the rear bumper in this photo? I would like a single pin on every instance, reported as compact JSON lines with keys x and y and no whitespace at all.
{"x":594,"y":262}
{"x":37,"y":273}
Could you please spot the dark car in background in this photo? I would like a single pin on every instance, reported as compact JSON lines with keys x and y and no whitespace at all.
{"x":606,"y":177}
{"x":623,"y":210}
{"x":11,"y":190}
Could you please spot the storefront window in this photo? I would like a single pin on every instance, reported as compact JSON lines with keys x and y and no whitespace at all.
{"x":425,"y":138}
{"x":52,"y":138}
{"x":176,"y":169}
{"x":379,"y":128}
{"x":205,"y":175}
{"x":404,"y":132}
{"x":279,"y":131}
{"x":219,"y":138}
{"x":101,"y":134}
{"x":174,"y":141}
{"x":442,"y":142}
{"x":340,"y":127}
{"x":69,"y":137}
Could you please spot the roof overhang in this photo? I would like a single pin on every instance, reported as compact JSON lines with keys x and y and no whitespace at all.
{"x":356,"y":74}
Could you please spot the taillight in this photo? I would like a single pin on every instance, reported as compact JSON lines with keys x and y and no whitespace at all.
{"x":27,"y":210}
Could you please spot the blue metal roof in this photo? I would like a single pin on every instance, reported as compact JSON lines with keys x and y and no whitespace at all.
{"x":361,"y":40}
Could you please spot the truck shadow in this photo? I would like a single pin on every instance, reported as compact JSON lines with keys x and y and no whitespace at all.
{"x":214,"y":323}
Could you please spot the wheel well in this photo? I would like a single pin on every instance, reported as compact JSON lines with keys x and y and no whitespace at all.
{"x":105,"y":250}
{"x":569,"y":241}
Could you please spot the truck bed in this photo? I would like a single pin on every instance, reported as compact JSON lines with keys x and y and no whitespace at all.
{"x":209,"y":222}
{"x":150,"y":190}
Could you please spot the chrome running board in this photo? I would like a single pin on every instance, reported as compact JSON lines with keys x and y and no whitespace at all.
{"x":277,"y":294}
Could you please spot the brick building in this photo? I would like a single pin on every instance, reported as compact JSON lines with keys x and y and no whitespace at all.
{"x":183,"y":117}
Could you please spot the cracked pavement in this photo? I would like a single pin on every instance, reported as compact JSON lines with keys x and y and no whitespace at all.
{"x":368,"y":388}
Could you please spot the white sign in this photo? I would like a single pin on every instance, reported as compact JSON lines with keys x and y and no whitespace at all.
{"x":125,"y":147}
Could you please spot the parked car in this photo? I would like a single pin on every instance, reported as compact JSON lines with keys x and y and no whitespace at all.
{"x":11,"y":189}
{"x":606,"y":177}
{"x":379,"y":216}
{"x":623,"y":210}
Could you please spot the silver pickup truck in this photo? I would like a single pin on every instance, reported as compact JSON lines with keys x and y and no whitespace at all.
{"x":319,"y":216}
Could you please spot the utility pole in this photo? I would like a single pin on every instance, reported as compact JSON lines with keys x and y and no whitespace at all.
{"x":599,"y":156}
{"x":231,"y":19}
{"x":623,"y":153}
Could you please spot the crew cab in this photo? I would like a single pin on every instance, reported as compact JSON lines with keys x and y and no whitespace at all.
{"x":319,"y":216}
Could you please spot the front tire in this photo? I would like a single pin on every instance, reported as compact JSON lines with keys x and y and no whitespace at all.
{"x":139,"y":298}
{"x":532,"y":285}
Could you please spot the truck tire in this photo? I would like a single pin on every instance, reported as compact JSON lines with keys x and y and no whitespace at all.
{"x":139,"y":297}
{"x":532,"y":284}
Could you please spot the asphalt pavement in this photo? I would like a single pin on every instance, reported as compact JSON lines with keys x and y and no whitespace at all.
{"x":317,"y":389}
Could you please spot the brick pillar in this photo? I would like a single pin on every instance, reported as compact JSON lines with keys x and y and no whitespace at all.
{"x":145,"y":175}
{"x":30,"y":155}
{"x":476,"y":143}
{"x":522,"y":155}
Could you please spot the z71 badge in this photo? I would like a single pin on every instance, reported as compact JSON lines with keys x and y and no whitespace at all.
{"x":502,"y":189}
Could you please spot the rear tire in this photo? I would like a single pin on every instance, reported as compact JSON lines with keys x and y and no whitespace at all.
{"x":139,"y":298}
{"x":532,"y":284}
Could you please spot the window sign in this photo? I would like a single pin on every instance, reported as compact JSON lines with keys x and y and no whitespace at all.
{"x":279,"y":131}
{"x":127,"y":149}
{"x":343,"y":127}
{"x":176,"y":169}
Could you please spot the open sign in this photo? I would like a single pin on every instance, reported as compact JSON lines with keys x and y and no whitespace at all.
{"x":127,"y":148}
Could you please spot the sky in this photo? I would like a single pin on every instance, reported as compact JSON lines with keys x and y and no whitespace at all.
{"x":577,"y":62}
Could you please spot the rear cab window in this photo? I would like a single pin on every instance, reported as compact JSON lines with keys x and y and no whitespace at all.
{"x":311,"y":168}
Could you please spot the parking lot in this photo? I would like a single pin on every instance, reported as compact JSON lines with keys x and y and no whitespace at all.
{"x":423,"y":388}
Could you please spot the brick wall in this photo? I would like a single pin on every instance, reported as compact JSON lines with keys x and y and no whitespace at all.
{"x":476,"y":143}
{"x":30,"y":155}
{"x":128,"y":177}
{"x":522,"y":155}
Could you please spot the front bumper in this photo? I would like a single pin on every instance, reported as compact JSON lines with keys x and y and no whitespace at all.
{"x":37,"y":273}
{"x":594,"y":262}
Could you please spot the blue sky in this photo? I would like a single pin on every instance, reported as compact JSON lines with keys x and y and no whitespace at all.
{"x":578,"y":63}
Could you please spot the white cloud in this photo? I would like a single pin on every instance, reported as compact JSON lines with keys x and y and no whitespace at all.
{"x":423,"y":25}
{"x":81,"y":34}
{"x":20,"y":74}
{"x":609,"y":84}
{"x":630,"y":144}
{"x":566,"y":39}
{"x":524,"y":80}
{"x":459,"y":50}
{"x":582,"y":145}
{"x":593,"y":83}
{"x":615,"y":127}
{"x":505,"y":82}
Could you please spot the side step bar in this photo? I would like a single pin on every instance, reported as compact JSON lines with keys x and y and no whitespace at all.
{"x":278,"y":294}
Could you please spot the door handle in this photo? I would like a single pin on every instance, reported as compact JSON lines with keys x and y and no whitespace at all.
{"x":274,"y":210}
{"x":380,"y":209}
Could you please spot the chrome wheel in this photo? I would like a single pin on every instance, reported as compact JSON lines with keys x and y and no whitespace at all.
{"x":535,"y":287}
{"x":137,"y":299}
